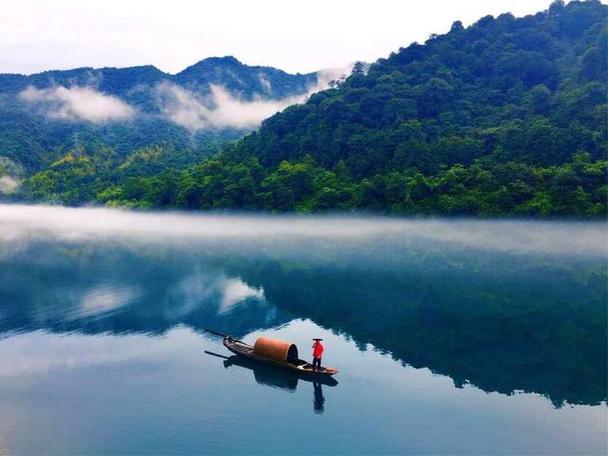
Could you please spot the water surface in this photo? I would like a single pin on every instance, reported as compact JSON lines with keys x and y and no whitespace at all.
{"x":451,"y":336}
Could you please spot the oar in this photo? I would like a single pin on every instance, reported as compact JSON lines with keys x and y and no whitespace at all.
{"x":225,"y":335}
{"x":217,"y":354}
{"x":215,"y":332}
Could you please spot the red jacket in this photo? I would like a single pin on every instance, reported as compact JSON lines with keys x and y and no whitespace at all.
{"x":317,"y":349}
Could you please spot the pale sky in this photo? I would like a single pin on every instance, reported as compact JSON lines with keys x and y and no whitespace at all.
{"x":37,"y":35}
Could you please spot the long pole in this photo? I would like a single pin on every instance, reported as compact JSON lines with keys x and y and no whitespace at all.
{"x":216,"y":354}
{"x":225,"y":336}
{"x":216,"y":333}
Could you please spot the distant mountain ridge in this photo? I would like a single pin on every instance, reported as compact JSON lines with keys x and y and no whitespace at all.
{"x":44,"y":115}
{"x":228,"y":71}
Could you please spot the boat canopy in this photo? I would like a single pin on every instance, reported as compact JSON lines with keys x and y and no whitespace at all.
{"x":275,"y":349}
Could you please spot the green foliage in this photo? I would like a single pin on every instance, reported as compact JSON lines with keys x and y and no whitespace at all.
{"x":506,"y":117}
{"x":498,"y":189}
{"x":34,"y":139}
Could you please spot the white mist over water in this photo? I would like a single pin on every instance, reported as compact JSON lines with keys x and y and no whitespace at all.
{"x":21,"y":223}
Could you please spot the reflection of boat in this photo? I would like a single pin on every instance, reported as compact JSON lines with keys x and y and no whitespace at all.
{"x":286,"y":380}
{"x":277,"y":353}
{"x":270,"y":375}
{"x":264,"y":375}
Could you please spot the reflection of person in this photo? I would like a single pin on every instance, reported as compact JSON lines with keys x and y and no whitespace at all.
{"x":317,"y":353}
{"x":319,"y":399}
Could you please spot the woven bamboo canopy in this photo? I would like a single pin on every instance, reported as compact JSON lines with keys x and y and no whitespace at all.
{"x":275,"y":349}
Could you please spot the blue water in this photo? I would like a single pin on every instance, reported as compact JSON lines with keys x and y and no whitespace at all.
{"x":450,"y":336}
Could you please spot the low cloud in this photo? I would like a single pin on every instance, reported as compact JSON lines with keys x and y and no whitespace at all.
{"x":329,"y":77}
{"x":221,"y":109}
{"x":8,"y":185}
{"x":218,"y":110}
{"x":265,"y":83}
{"x":77,"y":103}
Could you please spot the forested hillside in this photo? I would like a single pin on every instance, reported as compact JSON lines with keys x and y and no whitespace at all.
{"x":507,"y":116}
{"x":44,"y":116}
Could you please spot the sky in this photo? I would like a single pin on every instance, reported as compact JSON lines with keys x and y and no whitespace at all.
{"x":38,"y":35}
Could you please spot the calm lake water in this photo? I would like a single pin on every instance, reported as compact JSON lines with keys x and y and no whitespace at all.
{"x":451,"y":336}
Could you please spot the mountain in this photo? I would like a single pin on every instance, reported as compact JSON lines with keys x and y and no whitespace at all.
{"x":505,"y":117}
{"x":247,"y":81}
{"x":43,"y":116}
{"x":131,"y":83}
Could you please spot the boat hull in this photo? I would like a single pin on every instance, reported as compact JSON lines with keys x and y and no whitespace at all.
{"x":300,"y":367}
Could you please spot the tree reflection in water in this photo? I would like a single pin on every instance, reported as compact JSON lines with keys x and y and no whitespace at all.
{"x":502,"y":321}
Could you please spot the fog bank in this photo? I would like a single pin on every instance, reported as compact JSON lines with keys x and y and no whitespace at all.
{"x":77,"y":103}
{"x":23,"y":222}
{"x":223,"y":109}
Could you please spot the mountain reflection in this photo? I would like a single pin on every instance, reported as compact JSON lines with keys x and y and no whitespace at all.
{"x":52,"y":287}
{"x":503,"y":322}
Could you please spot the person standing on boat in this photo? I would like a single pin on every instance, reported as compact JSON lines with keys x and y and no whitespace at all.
{"x":317,"y":353}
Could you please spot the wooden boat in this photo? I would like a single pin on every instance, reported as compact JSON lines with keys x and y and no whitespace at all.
{"x":277,"y":353}
{"x":271,"y":375}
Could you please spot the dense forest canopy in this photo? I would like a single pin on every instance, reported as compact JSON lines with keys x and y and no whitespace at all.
{"x":505,"y":117}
